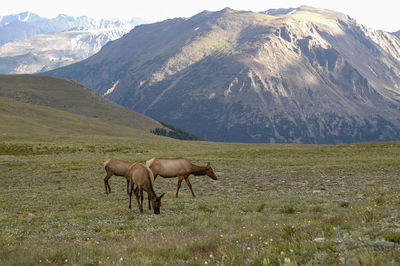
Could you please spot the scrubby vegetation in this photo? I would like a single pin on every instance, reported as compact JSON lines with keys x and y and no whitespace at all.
{"x":173,"y":132}
{"x":272,"y":204}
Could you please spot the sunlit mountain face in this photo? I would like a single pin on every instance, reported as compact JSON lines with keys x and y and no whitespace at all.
{"x":302,"y":75}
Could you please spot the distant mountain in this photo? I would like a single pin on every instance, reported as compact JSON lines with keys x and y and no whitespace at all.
{"x":33,"y":44}
{"x":27,"y":17}
{"x":27,"y":24}
{"x":301,"y":75}
{"x":44,"y":52}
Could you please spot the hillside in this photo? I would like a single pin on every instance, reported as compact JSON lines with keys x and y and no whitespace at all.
{"x":304,"y":75}
{"x":25,"y":119}
{"x":58,"y":102}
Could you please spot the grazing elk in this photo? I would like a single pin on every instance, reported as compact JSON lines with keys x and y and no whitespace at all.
{"x":178,"y":167}
{"x":118,"y":168}
{"x":142,"y":176}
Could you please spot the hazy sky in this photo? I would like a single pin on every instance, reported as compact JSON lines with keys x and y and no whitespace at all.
{"x":382,"y":14}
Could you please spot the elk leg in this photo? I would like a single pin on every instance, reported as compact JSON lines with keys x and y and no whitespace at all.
{"x":137,"y":196}
{"x":148,"y":198}
{"x":106,"y":185}
{"x":141,"y":200}
{"x":131,"y":189}
{"x":179,"y":184}
{"x":190,"y":186}
{"x":130,"y":198}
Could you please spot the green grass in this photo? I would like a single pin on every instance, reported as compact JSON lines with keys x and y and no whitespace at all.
{"x":24,"y":119}
{"x":72,"y":97}
{"x":272,"y":204}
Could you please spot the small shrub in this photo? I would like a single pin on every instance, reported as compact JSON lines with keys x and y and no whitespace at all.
{"x":379,"y":200}
{"x":344,"y":204}
{"x":316,"y":208}
{"x":289,"y":231}
{"x":203,"y":207}
{"x":288,"y":209}
{"x":392,"y":237}
{"x":260,"y":207}
{"x":368,"y":215}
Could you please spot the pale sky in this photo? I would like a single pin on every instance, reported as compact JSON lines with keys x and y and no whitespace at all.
{"x":382,"y":14}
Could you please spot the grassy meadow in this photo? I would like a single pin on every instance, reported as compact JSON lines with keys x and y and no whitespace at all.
{"x":272,"y":205}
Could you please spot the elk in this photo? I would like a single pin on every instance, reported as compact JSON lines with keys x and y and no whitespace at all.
{"x":118,"y":168}
{"x":142,"y":176}
{"x":179,"y":167}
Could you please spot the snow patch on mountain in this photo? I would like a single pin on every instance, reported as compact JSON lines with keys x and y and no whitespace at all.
{"x":55,"y":42}
{"x":110,"y":90}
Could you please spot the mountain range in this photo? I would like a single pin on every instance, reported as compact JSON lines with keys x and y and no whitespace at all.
{"x":302,"y":75}
{"x":29,"y":43}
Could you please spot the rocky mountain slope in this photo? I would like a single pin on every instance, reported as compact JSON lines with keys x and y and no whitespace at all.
{"x":32,"y":44}
{"x":303,"y":75}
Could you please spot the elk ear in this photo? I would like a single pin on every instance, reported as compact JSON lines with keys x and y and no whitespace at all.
{"x":208,"y":165}
{"x":162,"y":195}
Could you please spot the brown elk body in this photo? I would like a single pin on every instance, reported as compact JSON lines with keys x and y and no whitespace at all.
{"x":178,"y":167}
{"x":142,"y":176}
{"x":118,"y":168}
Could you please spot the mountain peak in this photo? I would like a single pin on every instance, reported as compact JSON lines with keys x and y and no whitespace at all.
{"x":280,"y":11}
{"x":26,"y":16}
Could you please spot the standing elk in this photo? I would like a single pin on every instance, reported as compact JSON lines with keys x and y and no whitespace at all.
{"x":178,"y":167}
{"x":142,"y":176}
{"x":118,"y":168}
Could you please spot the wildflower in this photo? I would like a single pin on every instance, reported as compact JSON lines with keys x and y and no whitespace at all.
{"x":287,"y":260}
{"x":319,"y":239}
{"x":211,"y":256}
{"x":266,"y":261}
{"x":121,"y":259}
{"x":282,"y":253}
{"x":248,"y":248}
{"x":205,"y":262}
